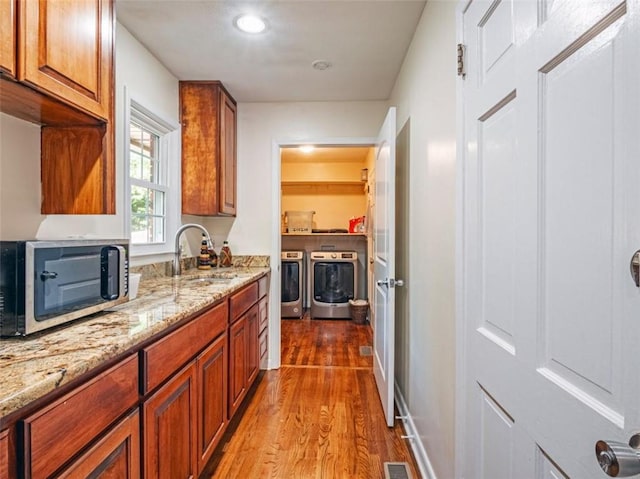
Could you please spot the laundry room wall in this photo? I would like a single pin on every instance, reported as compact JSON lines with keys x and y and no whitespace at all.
{"x":333,"y":189}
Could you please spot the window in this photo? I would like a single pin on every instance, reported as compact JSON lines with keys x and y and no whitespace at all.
{"x":152,"y":193}
{"x":147,"y":189}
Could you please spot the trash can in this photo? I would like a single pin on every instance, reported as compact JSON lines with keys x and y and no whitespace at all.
{"x":359,"y":309}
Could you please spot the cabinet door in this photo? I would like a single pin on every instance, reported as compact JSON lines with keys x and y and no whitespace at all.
{"x":66,"y":49}
{"x":212,"y":374}
{"x":253,"y":348}
{"x":208,"y":119}
{"x":4,"y":454}
{"x":8,"y":37}
{"x":237,"y":364}
{"x":117,"y":455}
{"x":170,"y":429}
{"x":199,"y":104}
{"x":227,"y":155}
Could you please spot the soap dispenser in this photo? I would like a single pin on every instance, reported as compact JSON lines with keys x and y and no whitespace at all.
{"x":203,"y":259}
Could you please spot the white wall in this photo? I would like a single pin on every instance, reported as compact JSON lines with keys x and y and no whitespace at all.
{"x":142,"y":78}
{"x":425,"y":94}
{"x":262,"y":124}
{"x":20,"y":195}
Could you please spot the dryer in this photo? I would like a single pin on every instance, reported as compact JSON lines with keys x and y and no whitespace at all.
{"x":334,"y":281}
{"x":292,"y":284}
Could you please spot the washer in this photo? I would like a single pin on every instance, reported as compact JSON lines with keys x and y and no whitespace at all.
{"x":334,"y":281}
{"x":292,"y":284}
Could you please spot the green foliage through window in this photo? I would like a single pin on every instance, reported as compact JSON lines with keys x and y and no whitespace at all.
{"x":147,"y":193}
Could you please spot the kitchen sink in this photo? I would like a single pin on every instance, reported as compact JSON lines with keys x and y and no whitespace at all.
{"x":210,"y":279}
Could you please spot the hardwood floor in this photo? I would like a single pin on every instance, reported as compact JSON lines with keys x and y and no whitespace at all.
{"x":318,"y":416}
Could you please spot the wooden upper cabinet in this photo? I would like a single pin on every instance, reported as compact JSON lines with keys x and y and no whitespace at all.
{"x":8,"y":37}
{"x":65,"y":49}
{"x":61,"y":54}
{"x":208,"y":118}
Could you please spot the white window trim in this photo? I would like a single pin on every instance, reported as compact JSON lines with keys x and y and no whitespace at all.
{"x":170,"y":171}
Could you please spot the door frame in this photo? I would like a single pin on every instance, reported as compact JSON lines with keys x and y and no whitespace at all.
{"x":460,"y":325}
{"x":276,"y":243}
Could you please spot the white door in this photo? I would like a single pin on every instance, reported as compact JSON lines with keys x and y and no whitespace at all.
{"x":551,"y":218}
{"x":384,"y":264}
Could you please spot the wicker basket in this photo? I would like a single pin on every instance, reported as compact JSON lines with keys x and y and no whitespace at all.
{"x":299,"y":221}
{"x":359,"y":309}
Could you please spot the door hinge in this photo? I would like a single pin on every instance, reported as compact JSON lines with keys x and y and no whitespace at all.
{"x":461,"y":72}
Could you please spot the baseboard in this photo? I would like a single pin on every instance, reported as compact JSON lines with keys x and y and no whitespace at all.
{"x":420,"y":453}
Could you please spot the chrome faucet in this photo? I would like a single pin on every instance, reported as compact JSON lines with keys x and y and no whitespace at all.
{"x":177,"y":268}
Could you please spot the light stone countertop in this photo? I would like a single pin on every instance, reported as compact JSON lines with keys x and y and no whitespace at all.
{"x":34,"y":366}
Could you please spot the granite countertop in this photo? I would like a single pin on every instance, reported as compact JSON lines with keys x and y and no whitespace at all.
{"x":33,"y":366}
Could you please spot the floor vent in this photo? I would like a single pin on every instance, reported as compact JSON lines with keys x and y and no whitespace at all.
{"x":365,"y":351}
{"x":397,"y":470}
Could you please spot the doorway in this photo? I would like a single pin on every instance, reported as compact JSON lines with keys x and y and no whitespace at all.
{"x":283,"y":152}
{"x":384,"y":257}
{"x":324,"y":208}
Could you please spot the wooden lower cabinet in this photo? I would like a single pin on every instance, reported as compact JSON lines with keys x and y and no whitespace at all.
{"x":117,"y":455}
{"x":212,"y":373}
{"x":244,"y":357}
{"x":263,"y":328}
{"x":237,"y":364}
{"x":170,"y":428}
{"x":253,"y":349}
{"x":263,"y":346}
{"x":158,"y":413}
{"x":75,"y":420}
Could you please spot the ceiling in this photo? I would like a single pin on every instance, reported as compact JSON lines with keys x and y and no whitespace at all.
{"x":364,"y":40}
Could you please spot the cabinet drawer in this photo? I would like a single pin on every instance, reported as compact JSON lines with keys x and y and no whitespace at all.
{"x":167,"y":355}
{"x":263,"y":286}
{"x":57,"y":432}
{"x":263,"y":314}
{"x":243,"y":300}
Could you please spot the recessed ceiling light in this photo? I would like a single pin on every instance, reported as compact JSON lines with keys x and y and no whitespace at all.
{"x":250,"y":23}
{"x":321,"y":64}
{"x":307,"y":148}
